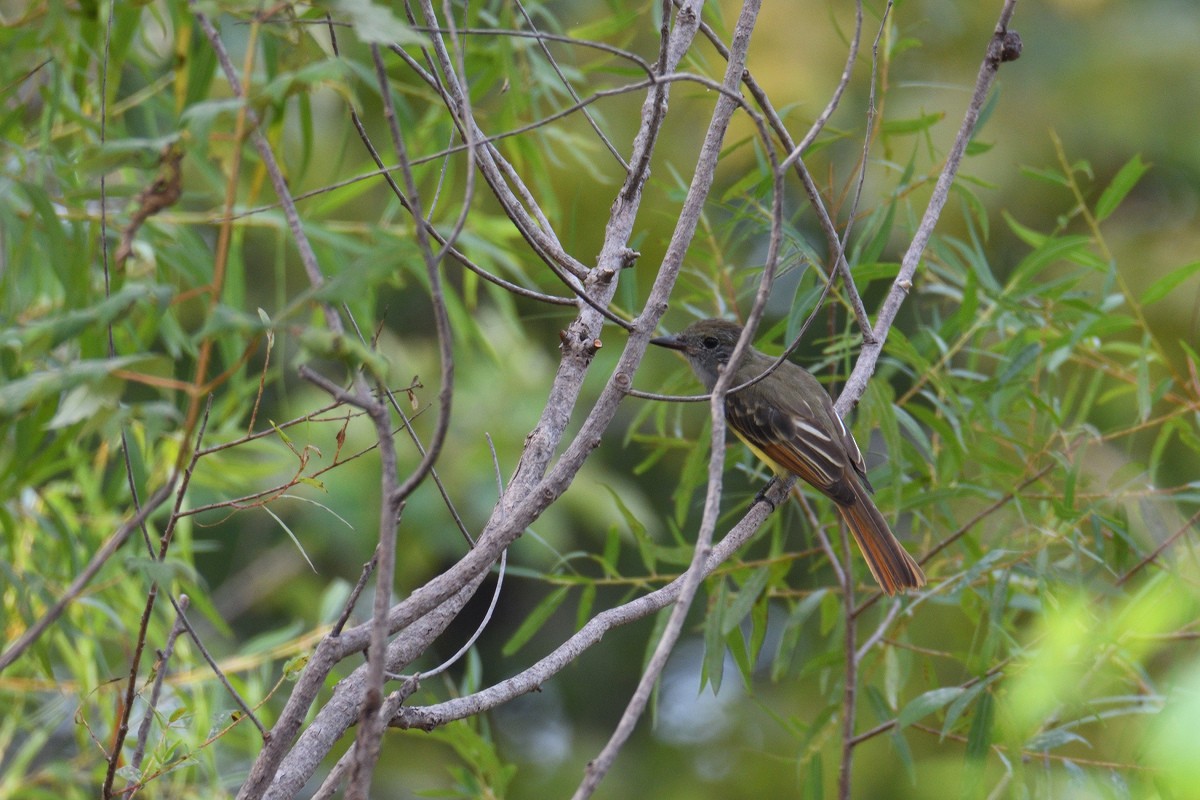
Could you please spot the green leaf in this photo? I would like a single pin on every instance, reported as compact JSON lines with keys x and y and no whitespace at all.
{"x":1051,"y":251}
{"x":713,"y":666}
{"x":746,"y":597}
{"x":346,"y":349}
{"x":42,"y":386}
{"x":536,"y":619}
{"x":635,"y":524}
{"x":963,"y":701}
{"x":1126,"y":178}
{"x":376,"y":24}
{"x":1168,"y":283}
{"x":912,"y":125}
{"x":1143,"y":386}
{"x":612,"y":551}
{"x":86,"y":402}
{"x":1055,"y":738}
{"x":1027,"y":235}
{"x":735,"y":644}
{"x":927,"y":703}
{"x":587,"y":600}
{"x":41,"y":335}
{"x":793,"y":630}
{"x":814,"y":780}
{"x":979,"y":741}
{"x":904,"y":753}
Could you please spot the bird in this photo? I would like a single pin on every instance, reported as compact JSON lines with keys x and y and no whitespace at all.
{"x":788,"y":420}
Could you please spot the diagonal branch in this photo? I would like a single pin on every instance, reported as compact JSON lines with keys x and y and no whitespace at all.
{"x":698,"y":191}
{"x":1003,"y":46}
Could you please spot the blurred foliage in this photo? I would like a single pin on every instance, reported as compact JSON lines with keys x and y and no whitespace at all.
{"x":1034,"y":424}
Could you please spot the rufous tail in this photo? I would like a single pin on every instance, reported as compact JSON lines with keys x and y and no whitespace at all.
{"x":890,"y":564}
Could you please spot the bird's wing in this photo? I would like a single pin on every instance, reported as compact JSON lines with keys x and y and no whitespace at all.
{"x":795,"y":437}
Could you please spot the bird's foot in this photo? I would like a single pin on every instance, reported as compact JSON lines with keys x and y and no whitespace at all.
{"x":762,"y":497}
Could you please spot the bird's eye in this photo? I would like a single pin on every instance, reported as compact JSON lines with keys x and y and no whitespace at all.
{"x":711,"y":342}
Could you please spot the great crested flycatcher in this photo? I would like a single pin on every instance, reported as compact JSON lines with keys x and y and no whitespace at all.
{"x":789,"y":422}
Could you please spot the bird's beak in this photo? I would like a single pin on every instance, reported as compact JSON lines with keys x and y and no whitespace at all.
{"x":670,"y":342}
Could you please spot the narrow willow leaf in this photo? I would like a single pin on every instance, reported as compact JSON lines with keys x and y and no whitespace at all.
{"x":904,"y":753}
{"x":713,"y":666}
{"x":534,"y":622}
{"x":746,"y":597}
{"x":375,"y":23}
{"x":813,"y":780}
{"x":1143,"y":386}
{"x":962,"y":702}
{"x":1053,"y":739}
{"x":612,"y":551}
{"x":927,"y":703}
{"x":1126,"y":178}
{"x":587,"y":600}
{"x":735,"y":645}
{"x":1163,"y":287}
{"x":912,"y":125}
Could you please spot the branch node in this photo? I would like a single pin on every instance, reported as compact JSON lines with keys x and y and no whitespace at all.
{"x":1011,"y":46}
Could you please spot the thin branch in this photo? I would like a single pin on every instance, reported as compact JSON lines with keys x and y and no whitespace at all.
{"x":426,"y":610}
{"x":106,"y":551}
{"x":1167,"y":542}
{"x":487,"y":617}
{"x":835,"y":99}
{"x":431,"y":606}
{"x":868,"y":138}
{"x":880,"y":629}
{"x":393,"y":493}
{"x":1003,"y":46}
{"x":966,"y":527}
{"x":541,"y":40}
{"x":422,"y":221}
{"x":542,"y":240}
{"x":598,"y":767}
{"x":440,"y":317}
{"x":160,"y":676}
{"x":542,"y":37}
{"x":329,"y":786}
{"x":135,"y":660}
{"x":181,"y":616}
{"x":303,"y":247}
{"x":850,"y":668}
{"x":355,"y":593}
{"x":832,"y":239}
{"x":528,"y":680}
{"x":416,"y":440}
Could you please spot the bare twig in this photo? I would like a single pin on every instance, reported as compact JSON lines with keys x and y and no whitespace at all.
{"x":430,"y":717}
{"x":135,"y":661}
{"x":31,"y":634}
{"x":181,"y":616}
{"x":541,"y":40}
{"x":426,"y":610}
{"x":303,"y":247}
{"x":849,"y":670}
{"x":160,"y":675}
{"x":868,"y":138}
{"x":1000,"y":48}
{"x":1153,"y":555}
{"x":355,"y":593}
{"x":832,"y":239}
{"x":598,"y":767}
{"x":487,"y":617}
